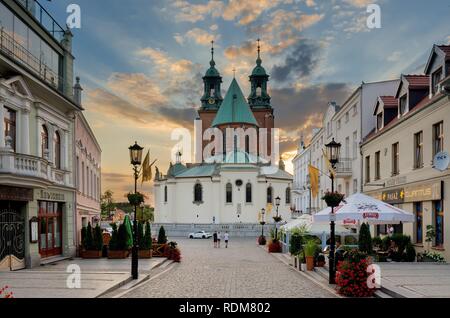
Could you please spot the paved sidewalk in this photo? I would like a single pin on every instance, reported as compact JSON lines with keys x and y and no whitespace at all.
{"x":97,"y":277}
{"x":423,"y":280}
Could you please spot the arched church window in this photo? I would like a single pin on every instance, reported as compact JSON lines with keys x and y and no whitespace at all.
{"x":229,"y":193}
{"x":288,"y":195}
{"x":211,"y":90}
{"x":198,"y":193}
{"x":248,"y":193}
{"x":247,"y":148}
{"x":44,"y":141}
{"x":269,"y":195}
{"x":165,"y":194}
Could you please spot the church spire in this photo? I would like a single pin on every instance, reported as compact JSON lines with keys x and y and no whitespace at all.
{"x":212,"y":80}
{"x":259,"y":98}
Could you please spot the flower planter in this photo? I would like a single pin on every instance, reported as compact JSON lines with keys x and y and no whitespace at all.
{"x":145,"y":254}
{"x":302,"y":267}
{"x":158,"y":250}
{"x":333,"y":199}
{"x":262,"y":241}
{"x":118,"y":254}
{"x":91,"y":254}
{"x":310,"y":263}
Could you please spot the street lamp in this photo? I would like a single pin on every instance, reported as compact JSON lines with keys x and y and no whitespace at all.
{"x":135,"y":159}
{"x":277,"y":218}
{"x":263,"y":222}
{"x":333,"y":150}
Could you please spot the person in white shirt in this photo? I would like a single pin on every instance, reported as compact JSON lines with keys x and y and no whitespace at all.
{"x":226,"y":237}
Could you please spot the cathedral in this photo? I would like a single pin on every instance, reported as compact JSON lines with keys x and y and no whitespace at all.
{"x":231,"y":183}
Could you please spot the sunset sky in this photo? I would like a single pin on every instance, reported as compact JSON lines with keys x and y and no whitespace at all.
{"x":141,"y":62}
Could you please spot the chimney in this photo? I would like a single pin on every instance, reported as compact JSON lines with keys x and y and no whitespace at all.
{"x":77,"y":89}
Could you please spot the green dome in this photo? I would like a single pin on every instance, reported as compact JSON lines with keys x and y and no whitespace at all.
{"x":259,"y":71}
{"x":212,"y":72}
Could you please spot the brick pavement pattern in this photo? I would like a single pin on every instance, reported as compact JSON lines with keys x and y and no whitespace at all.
{"x":242,"y":271}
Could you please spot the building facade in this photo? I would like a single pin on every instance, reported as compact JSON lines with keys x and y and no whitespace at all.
{"x":399,"y":156}
{"x":347,"y":125}
{"x":87,"y":176}
{"x":37,"y":124}
{"x":301,"y":191}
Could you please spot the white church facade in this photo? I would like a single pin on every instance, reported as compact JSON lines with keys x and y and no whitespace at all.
{"x":231,"y":184}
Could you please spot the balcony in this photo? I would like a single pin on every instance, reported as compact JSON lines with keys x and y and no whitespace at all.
{"x":344,"y":168}
{"x":17,"y":52}
{"x":26,"y":170}
{"x":44,"y":18}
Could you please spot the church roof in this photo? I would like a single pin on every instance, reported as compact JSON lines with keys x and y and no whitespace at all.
{"x":198,"y":171}
{"x":234,"y":108}
{"x":176,"y":169}
{"x":279,"y":174}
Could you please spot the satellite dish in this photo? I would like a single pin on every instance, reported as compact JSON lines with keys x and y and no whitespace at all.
{"x":441,"y":161}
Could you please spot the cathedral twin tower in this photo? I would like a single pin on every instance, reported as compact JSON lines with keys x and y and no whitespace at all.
{"x":236,"y":111}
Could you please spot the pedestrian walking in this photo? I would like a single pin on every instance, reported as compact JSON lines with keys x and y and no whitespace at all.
{"x":215,"y":239}
{"x":218,"y":239}
{"x":226,"y":237}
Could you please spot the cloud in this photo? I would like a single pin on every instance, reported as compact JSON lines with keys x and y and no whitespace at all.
{"x":248,"y":11}
{"x":299,"y":63}
{"x":395,"y":56}
{"x":197,"y":12}
{"x":359,"y":3}
{"x":166,"y":65}
{"x":201,"y":37}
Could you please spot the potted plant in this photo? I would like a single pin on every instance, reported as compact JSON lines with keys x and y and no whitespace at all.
{"x":310,"y":249}
{"x":277,"y":219}
{"x":352,"y":276}
{"x":145,"y":240}
{"x":333,"y":199}
{"x":5,"y":293}
{"x":301,"y":261}
{"x":295,"y":246}
{"x":93,"y":243}
{"x":365,"y":239}
{"x":135,"y":199}
{"x":160,"y":246}
{"x":118,"y":248}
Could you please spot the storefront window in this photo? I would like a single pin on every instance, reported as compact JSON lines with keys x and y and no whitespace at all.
{"x":419,"y":221}
{"x":50,"y":220}
{"x":439,"y":222}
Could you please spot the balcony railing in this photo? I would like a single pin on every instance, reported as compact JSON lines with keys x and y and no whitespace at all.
{"x":19,"y":53}
{"x":31,"y":166}
{"x":44,"y":18}
{"x":344,"y":167}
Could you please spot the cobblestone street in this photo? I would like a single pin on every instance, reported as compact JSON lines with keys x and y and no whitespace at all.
{"x":242,"y":270}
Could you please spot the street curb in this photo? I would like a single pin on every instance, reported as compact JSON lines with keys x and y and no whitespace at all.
{"x":129,"y":280}
{"x":328,"y":288}
{"x":168,"y":267}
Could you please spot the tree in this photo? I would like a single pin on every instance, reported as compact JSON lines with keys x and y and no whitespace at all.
{"x":107,"y":203}
{"x":162,"y":238}
{"x":365,"y":239}
{"x":140,"y":236}
{"x":147,"y":242}
{"x":113,"y":243}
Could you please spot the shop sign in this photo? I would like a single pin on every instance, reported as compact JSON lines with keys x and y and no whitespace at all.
{"x":51,"y":196}
{"x":423,"y":192}
{"x":15,"y":194}
{"x":393,"y":196}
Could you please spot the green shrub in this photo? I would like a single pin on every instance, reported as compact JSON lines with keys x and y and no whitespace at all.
{"x":410,"y":253}
{"x":365,"y":239}
{"x":89,"y":241}
{"x":113,"y":243}
{"x":385,"y":243}
{"x":98,"y":239}
{"x":147,"y":243}
{"x":377,"y":242}
{"x":122,"y":238}
{"x":162,"y":238}
{"x":140,"y":235}
{"x":83,"y":236}
{"x":295,"y":244}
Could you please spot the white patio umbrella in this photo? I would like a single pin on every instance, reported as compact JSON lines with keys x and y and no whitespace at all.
{"x":359,"y":208}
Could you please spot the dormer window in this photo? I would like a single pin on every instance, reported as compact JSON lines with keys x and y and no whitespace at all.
{"x":380,"y":121}
{"x":403,"y":106}
{"x":436,"y":78}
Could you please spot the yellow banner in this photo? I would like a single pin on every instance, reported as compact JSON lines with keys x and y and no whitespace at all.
{"x":314,"y":180}
{"x":328,"y":163}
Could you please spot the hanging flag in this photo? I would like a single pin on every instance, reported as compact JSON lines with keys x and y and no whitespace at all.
{"x":329,"y":166}
{"x":314,"y":180}
{"x":147,"y":168}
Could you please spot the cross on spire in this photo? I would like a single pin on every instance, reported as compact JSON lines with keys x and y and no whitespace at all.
{"x":234,"y":72}
{"x":259,"y":61}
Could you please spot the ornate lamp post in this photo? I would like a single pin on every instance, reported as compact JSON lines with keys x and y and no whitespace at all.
{"x":263,"y":221}
{"x":135,"y":159}
{"x":277,"y":218}
{"x":333,"y":150}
